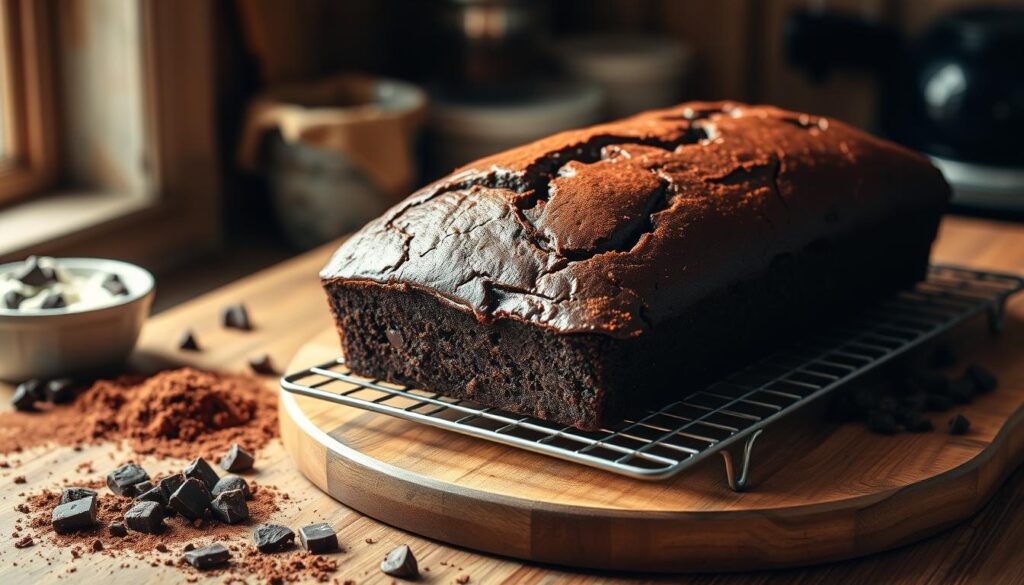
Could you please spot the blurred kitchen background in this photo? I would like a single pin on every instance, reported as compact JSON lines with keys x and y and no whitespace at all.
{"x":207,"y":139}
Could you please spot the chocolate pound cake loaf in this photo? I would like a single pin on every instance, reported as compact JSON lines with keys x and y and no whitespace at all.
{"x":603,"y":270}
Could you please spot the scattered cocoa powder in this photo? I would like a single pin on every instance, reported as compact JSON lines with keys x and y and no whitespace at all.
{"x":24,"y":542}
{"x":176,"y":413}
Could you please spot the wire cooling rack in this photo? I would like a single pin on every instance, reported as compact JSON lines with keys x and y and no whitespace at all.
{"x":723,"y":417}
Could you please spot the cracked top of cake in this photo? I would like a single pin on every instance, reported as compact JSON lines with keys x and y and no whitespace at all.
{"x":613,"y":228}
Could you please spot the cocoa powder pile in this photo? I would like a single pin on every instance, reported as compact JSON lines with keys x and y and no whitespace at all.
{"x":176,"y":413}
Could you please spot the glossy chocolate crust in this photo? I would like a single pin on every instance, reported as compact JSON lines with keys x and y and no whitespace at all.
{"x":617,"y":228}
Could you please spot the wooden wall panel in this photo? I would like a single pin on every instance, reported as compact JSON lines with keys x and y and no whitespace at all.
{"x":719,"y":33}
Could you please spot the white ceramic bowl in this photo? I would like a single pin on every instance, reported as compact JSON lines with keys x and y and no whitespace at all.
{"x":53,"y":343}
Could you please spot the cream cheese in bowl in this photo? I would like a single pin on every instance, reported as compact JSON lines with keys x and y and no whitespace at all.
{"x":69,"y":316}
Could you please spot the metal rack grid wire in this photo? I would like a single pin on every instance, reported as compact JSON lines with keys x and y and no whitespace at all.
{"x":732,"y":411}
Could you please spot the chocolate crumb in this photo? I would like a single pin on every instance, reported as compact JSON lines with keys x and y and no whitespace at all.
{"x":236,"y":317}
{"x":262,"y":364}
{"x":24,"y":542}
{"x":161,"y":547}
{"x":188,"y":341}
{"x":20,"y":479}
{"x":97,"y":546}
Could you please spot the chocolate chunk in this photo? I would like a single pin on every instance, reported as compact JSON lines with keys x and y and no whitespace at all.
{"x":882,"y":423}
{"x":959,"y":425}
{"x":188,"y":341}
{"x":161,"y":547}
{"x":961,"y":390}
{"x":142,"y":487}
{"x":13,"y":299}
{"x":191,"y":499}
{"x":230,"y":507}
{"x":261,"y":364}
{"x":70,"y":494}
{"x":113,"y":285}
{"x":984,"y":380}
{"x":231,"y":482}
{"x":942,"y":356}
{"x":168,"y":485}
{"x":97,"y":546}
{"x":236,"y":459}
{"x":152,"y":495}
{"x":23,"y":399}
{"x":202,"y":471}
{"x":122,"y":480}
{"x":400,"y":563}
{"x":208,"y":557}
{"x":271,"y":538}
{"x":74,"y":515}
{"x":34,"y":275}
{"x":118,"y":529}
{"x":146,"y":517}
{"x":60,"y":390}
{"x":236,"y":317}
{"x":36,"y":388}
{"x":54,"y":301}
{"x":188,"y":547}
{"x":318,"y":538}
{"x":915,"y":422}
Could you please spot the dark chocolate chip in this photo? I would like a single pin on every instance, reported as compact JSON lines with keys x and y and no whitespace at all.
{"x":13,"y":299}
{"x":961,"y":390}
{"x":113,"y":285}
{"x":75,"y":515}
{"x":202,"y":471}
{"x":122,"y":480}
{"x":236,"y":317}
{"x":188,"y":342}
{"x":188,"y":547}
{"x":400,"y":563}
{"x":208,"y":557}
{"x":54,"y":301}
{"x":231,"y":482}
{"x":271,"y":538}
{"x":959,"y":425}
{"x":984,"y":380}
{"x":915,"y":422}
{"x":942,"y":356}
{"x":23,"y":399}
{"x":34,"y":275}
{"x":882,"y":423}
{"x":168,"y":485}
{"x":318,"y":538}
{"x":60,"y":391}
{"x":191,"y":499}
{"x":236,"y":459}
{"x":261,"y":364}
{"x":230,"y":507}
{"x":70,"y":494}
{"x":118,"y":529}
{"x":146,"y":517}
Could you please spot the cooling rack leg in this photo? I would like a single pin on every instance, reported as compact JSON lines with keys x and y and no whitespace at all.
{"x":738,"y":483}
{"x":996,"y":313}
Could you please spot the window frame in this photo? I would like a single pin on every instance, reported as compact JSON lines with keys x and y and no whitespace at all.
{"x":29,"y":164}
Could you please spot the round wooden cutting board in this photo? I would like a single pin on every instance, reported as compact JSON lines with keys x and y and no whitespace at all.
{"x":818,"y":492}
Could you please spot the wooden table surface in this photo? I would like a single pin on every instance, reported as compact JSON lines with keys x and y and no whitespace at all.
{"x":288,"y":308}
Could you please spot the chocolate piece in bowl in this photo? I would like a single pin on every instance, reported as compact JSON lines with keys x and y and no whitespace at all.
{"x":236,"y":459}
{"x":33,"y":274}
{"x":202,"y":471}
{"x":114,"y":285}
{"x":122,"y":481}
{"x":13,"y":299}
{"x":611,"y":262}
{"x":208,"y":557}
{"x":74,"y":515}
{"x":54,"y":301}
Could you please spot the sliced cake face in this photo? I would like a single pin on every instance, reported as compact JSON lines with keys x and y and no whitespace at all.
{"x":618,"y":227}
